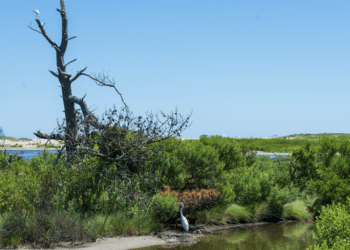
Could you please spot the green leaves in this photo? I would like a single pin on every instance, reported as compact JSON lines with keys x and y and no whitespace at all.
{"x":305,"y":160}
{"x":332,"y":227}
{"x":165,"y":206}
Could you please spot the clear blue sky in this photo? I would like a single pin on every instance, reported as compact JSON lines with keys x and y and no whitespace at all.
{"x":248,"y":68}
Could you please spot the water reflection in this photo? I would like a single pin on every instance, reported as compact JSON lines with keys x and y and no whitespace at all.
{"x":288,"y":235}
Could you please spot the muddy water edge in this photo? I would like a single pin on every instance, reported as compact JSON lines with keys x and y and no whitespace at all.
{"x":291,"y":235}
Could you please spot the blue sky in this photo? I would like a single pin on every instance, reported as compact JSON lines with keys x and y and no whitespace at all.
{"x":247,"y":68}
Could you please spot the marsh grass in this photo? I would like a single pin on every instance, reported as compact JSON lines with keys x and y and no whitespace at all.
{"x":285,"y":145}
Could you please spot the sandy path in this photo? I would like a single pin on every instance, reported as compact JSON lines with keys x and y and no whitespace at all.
{"x":120,"y":243}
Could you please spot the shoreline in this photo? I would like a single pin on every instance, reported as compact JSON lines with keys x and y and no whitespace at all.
{"x":123,"y":243}
{"x":151,"y":239}
{"x":30,"y":144}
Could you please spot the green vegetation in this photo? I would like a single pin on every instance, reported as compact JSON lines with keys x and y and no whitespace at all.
{"x":286,"y":145}
{"x":42,"y":204}
{"x":333,"y":227}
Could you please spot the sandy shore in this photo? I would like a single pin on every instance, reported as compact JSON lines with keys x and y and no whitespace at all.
{"x":28,"y":145}
{"x":121,"y":243}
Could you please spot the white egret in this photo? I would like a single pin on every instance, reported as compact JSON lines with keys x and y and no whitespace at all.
{"x":37,"y":13}
{"x":183,"y":219}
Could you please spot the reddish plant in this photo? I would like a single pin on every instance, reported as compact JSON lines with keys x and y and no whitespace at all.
{"x":194,"y":200}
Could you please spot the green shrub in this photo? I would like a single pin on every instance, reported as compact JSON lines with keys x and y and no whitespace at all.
{"x":332,"y":227}
{"x":279,"y":197}
{"x":170,"y":164}
{"x":228,"y":150}
{"x":338,"y":245}
{"x":225,"y":187}
{"x":165,"y":207}
{"x":305,"y":159}
{"x":201,"y":164}
{"x":327,"y":150}
{"x":19,"y":187}
{"x":330,"y":186}
{"x":188,"y":165}
{"x":254,"y":184}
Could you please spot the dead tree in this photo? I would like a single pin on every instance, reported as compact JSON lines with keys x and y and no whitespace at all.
{"x":66,"y":81}
{"x":70,"y":134}
{"x":130,"y":156}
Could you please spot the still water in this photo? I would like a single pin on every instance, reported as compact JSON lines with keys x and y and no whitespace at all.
{"x":28,"y":154}
{"x":276,"y":236}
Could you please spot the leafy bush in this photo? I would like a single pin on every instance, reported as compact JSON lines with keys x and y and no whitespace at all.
{"x":327,"y":150}
{"x":226,"y":188}
{"x":307,"y":168}
{"x":201,"y":164}
{"x":332,"y":227}
{"x":279,"y":197}
{"x":338,"y":245}
{"x":332,"y":182}
{"x":228,"y":150}
{"x":254,"y":184}
{"x":331,"y":187}
{"x":165,"y":206}
{"x":169,"y":163}
{"x":188,"y":165}
{"x":19,"y":187}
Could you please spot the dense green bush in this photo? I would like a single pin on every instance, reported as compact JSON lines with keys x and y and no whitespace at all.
{"x":189,"y":165}
{"x":225,"y":187}
{"x":201,"y":164}
{"x":165,"y":207}
{"x":338,"y":245}
{"x":229,"y":151}
{"x":333,"y":227}
{"x":168,"y":163}
{"x":247,"y":186}
{"x":19,"y":187}
{"x":279,"y":197}
{"x":305,"y":159}
{"x":327,"y":150}
{"x":21,"y":182}
{"x":330,"y":186}
{"x":254,"y":184}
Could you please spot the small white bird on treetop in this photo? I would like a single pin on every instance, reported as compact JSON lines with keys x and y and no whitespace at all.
{"x":37,"y":13}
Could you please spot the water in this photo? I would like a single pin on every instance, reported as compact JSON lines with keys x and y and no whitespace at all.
{"x":274,"y":236}
{"x":29,"y":154}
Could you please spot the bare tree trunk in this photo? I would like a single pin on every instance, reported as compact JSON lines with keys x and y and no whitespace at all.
{"x":65,"y":81}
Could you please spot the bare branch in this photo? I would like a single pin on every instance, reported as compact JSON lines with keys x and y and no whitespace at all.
{"x":34,"y":29}
{"x":54,"y":74}
{"x":70,"y":62}
{"x":43,"y":32}
{"x":72,"y":38}
{"x":78,"y":74}
{"x":63,"y":73}
{"x":102,"y":82}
